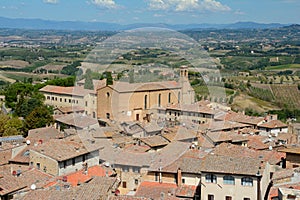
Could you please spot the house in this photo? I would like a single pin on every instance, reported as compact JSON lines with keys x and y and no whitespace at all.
{"x":19,"y":182}
{"x":274,"y":127}
{"x":292,"y":155}
{"x":61,"y":156}
{"x":240,"y":118}
{"x":40,"y":135}
{"x":76,"y":96}
{"x":68,"y":110}
{"x":75,"y":121}
{"x":155,"y":142}
{"x":95,"y":188}
{"x":288,"y":193}
{"x":232,"y":177}
{"x":196,"y":113}
{"x":125,"y":101}
{"x":184,"y":173}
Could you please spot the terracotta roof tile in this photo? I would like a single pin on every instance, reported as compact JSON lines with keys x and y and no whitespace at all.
{"x":154,"y":190}
{"x":273,"y":124}
{"x":77,"y":120}
{"x":154,"y":141}
{"x":230,"y":165}
{"x":130,"y":87}
{"x":74,"y":91}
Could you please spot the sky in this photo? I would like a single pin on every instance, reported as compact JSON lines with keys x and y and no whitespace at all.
{"x":155,"y":11}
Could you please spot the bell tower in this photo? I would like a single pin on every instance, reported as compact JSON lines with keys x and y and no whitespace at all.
{"x":184,"y":74}
{"x":187,"y":92}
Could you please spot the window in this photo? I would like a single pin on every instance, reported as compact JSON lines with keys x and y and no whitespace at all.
{"x":126,"y":169}
{"x":124,"y":185}
{"x":83,"y":158}
{"x":210,"y":197}
{"x":60,"y":99}
{"x":156,"y":176}
{"x":136,"y":169}
{"x":86,"y":103}
{"x":48,"y":97}
{"x":246,"y":181}
{"x":107,"y":116}
{"x":52,"y":98}
{"x":228,"y":198}
{"x":107,"y":95}
{"x":94,"y":115}
{"x":69,"y":100}
{"x":65,"y":164}
{"x":210,"y":178}
{"x":183,"y":181}
{"x":229,"y":180}
{"x":136,"y":181}
{"x":38,"y":165}
{"x":169,"y":98}
{"x":73,"y":161}
{"x":246,"y":198}
{"x":65,"y":100}
{"x":145,"y":101}
{"x":159,"y":100}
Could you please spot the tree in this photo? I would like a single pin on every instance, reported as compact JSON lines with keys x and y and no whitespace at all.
{"x":38,"y":118}
{"x":109,"y":79}
{"x":14,"y":123}
{"x":3,"y":120}
{"x":26,"y":106}
{"x":88,"y":84}
{"x":11,"y":131}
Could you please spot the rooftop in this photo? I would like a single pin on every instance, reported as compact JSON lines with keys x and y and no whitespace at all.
{"x":123,"y":87}
{"x":73,"y":91}
{"x":44,"y":134}
{"x":230,"y":165}
{"x":77,"y":120}
{"x":274,"y":124}
{"x":69,"y":147}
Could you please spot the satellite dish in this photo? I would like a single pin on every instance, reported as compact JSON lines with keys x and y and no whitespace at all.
{"x":33,"y":187}
{"x":28,"y":142}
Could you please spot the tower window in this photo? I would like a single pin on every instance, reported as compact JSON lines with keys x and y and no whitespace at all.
{"x":145,"y":102}
{"x":159,"y":100}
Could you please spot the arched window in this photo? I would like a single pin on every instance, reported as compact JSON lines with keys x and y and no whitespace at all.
{"x":159,"y":100}
{"x":247,"y":181}
{"x":210,"y":178}
{"x":107,"y":95}
{"x":229,"y":180}
{"x":169,"y":97}
{"x":145,"y":102}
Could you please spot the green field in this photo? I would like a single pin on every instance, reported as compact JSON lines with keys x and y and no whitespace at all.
{"x":284,"y":67}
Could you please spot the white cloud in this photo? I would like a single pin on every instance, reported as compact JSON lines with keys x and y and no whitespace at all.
{"x":105,"y":3}
{"x":51,"y":1}
{"x":187,"y":5}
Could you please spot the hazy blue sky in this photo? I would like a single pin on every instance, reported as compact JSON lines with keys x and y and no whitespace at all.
{"x":155,"y":11}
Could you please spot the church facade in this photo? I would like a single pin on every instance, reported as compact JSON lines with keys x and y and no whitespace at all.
{"x":125,"y":101}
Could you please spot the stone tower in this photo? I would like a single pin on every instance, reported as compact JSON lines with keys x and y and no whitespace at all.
{"x":187,"y":92}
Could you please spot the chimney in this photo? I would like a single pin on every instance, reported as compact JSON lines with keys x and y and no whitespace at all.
{"x":179,"y":177}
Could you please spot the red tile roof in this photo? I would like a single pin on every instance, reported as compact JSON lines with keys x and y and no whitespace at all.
{"x":73,"y":91}
{"x":80,"y":177}
{"x":274,"y":124}
{"x":155,"y":190}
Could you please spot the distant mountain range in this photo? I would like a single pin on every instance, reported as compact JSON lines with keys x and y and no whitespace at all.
{"x":101,"y":26}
